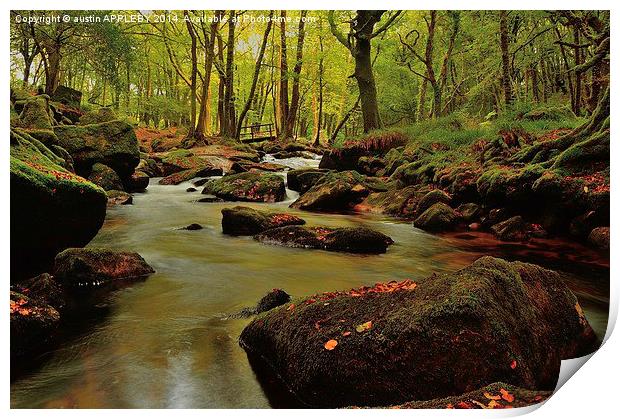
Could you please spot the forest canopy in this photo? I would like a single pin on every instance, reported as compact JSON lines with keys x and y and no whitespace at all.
{"x":321,"y":75}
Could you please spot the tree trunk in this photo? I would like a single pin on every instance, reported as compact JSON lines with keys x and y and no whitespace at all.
{"x":202,"y":126}
{"x":294,"y":106}
{"x":259,"y":62}
{"x":503,"y":33}
{"x":192,"y":115}
{"x":283,"y":104}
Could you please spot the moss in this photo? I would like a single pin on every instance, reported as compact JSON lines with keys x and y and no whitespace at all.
{"x":105,"y":177}
{"x":51,"y":208}
{"x":248,"y":186}
{"x":452,"y":334}
{"x":438,"y":217}
{"x":36,"y":114}
{"x":334,"y":190}
{"x":245,"y":221}
{"x":98,"y":116}
{"x":112,"y":143}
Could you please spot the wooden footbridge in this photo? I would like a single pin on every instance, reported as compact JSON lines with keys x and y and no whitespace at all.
{"x":257,"y":132}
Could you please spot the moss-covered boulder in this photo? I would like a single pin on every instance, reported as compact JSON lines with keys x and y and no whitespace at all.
{"x":275,"y":298}
{"x":116,"y":197}
{"x":245,"y":221}
{"x":111,"y":143}
{"x":431,"y":198}
{"x":181,"y":160}
{"x":550,"y":113}
{"x":301,"y":180}
{"x":469,"y":211}
{"x":334,"y":191}
{"x":397,"y":202}
{"x":150,"y":167}
{"x":43,"y":289}
{"x":439,"y":217}
{"x":105,"y":177}
{"x":51,"y":208}
{"x":492,"y":396}
{"x":346,"y":239}
{"x":67,"y":96}
{"x":94,"y":266}
{"x":449,"y":334}
{"x":36,"y":114}
{"x":32,"y":324}
{"x":249,"y":187}
{"x":512,"y":229}
{"x":138,"y":181}
{"x":599,"y":237}
{"x":98,"y":116}
{"x":186,"y":175}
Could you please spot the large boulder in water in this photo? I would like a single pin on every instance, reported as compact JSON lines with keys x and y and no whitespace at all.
{"x":51,"y":208}
{"x":301,"y":180}
{"x":397,"y":342}
{"x":345,"y":239}
{"x":138,"y":181}
{"x":112,"y":143}
{"x":248,"y":186}
{"x":512,"y":229}
{"x":333,"y":191}
{"x":92,"y":266}
{"x":189,"y":174}
{"x":245,"y":221}
{"x":182,"y":160}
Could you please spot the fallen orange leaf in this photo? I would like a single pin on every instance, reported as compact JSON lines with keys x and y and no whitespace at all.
{"x":513,"y":364}
{"x":491,"y":396}
{"x":347,"y":333}
{"x":331,"y":344}
{"x":507,"y":396}
{"x":291,"y":307}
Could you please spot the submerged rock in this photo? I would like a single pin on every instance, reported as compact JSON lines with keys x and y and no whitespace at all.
{"x":346,"y":239}
{"x":193,"y":226}
{"x":51,"y":208}
{"x":439,"y":217}
{"x":92,"y":266}
{"x":273,"y":299}
{"x":245,"y":221}
{"x":493,"y":321}
{"x":249,"y":186}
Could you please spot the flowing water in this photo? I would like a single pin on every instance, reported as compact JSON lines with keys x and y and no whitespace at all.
{"x":168,"y":341}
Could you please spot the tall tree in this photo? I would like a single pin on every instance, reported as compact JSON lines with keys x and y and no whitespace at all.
{"x":504,"y":45}
{"x":294,"y":105}
{"x":358,"y":42}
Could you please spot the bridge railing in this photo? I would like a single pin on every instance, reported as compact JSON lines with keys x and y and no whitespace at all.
{"x":257,"y":132}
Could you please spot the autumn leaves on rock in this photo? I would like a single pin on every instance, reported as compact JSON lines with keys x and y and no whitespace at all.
{"x":441,"y":336}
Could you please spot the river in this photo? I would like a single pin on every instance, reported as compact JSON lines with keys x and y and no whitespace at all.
{"x":168,"y":342}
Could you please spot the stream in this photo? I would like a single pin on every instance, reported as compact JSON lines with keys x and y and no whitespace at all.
{"x":168,"y":342}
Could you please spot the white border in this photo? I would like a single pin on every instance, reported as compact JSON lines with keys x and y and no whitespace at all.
{"x":592,"y":393}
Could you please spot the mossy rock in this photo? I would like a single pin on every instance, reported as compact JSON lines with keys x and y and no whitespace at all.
{"x":469,"y":211}
{"x":98,"y":116}
{"x":116,"y":197}
{"x":36,"y":114}
{"x":550,"y":113}
{"x":51,"y":208}
{"x":512,"y":229}
{"x":504,"y":396}
{"x":32,"y":325}
{"x":105,"y":177}
{"x":501,"y":185}
{"x":245,"y":221}
{"x":301,"y":180}
{"x":111,"y":143}
{"x":431,"y":198}
{"x":397,"y":202}
{"x":181,"y":160}
{"x":186,"y":175}
{"x":599,"y":237}
{"x":346,"y":239}
{"x":439,"y":217}
{"x":138,"y":181}
{"x":95,"y":267}
{"x":67,"y":96}
{"x":150,"y":167}
{"x":493,"y":321}
{"x":334,"y":191}
{"x":249,"y":187}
